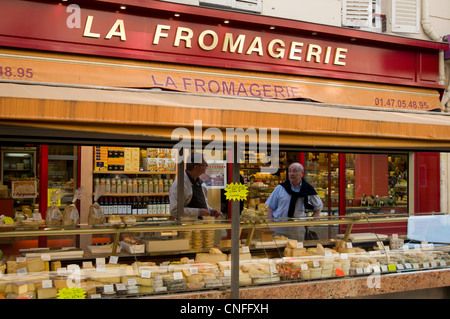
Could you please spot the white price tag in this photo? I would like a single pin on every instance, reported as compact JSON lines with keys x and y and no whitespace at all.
{"x":400,"y":267}
{"x":349,"y":245}
{"x":426,"y":265}
{"x":415,"y":266}
{"x":433,"y":263}
{"x":113,"y":259}
{"x":328,"y":253}
{"x":384,"y":268}
{"x":344,"y":256}
{"x":96,"y":296}
{"x":100,"y":261}
{"x":442,"y":263}
{"x":131,"y":282}
{"x":120,"y":287}
{"x":108,"y":288}
{"x":227,"y":273}
{"x":245,"y":249}
{"x":46,"y":284}
{"x":46,"y":257}
{"x":146,"y":274}
{"x":359,"y":271}
{"x":194,"y":270}
{"x":408,"y":266}
{"x":299,"y":244}
{"x":87,"y":264}
{"x":376,"y":269}
{"x":21,"y":260}
{"x":367,"y":270}
{"x":304,"y":267}
{"x":177,"y":275}
{"x":316,"y":263}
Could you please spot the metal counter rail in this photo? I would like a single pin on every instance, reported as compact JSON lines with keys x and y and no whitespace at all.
{"x":180,"y":227}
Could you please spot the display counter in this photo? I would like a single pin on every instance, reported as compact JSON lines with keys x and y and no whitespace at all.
{"x":136,"y":266}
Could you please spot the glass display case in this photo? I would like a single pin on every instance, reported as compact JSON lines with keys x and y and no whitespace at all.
{"x":62,"y":173}
{"x":140,"y":264}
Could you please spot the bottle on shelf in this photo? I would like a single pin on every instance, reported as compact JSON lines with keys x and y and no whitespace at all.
{"x":129,"y":206}
{"x":167,"y":211}
{"x":134,"y":209}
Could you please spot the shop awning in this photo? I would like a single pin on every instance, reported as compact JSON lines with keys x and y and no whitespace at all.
{"x":155,"y":114}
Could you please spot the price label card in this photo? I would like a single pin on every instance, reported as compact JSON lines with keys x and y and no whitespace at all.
{"x":367,"y":270}
{"x":96,"y":296}
{"x":415,"y":265}
{"x":245,"y":249}
{"x":87,"y":264}
{"x":299,"y":244}
{"x":384,"y":268}
{"x":433,"y":263}
{"x":21,"y":260}
{"x":46,"y":257}
{"x":349,"y":245}
{"x":47,"y":283}
{"x":177,"y":275}
{"x":442,"y":263}
{"x":344,"y":256}
{"x":328,"y":253}
{"x":146,"y":274}
{"x":121,"y":287}
{"x":100,"y":261}
{"x":359,"y":271}
{"x":131,"y":282}
{"x":304,"y":267}
{"x":227,"y":273}
{"x":108,"y":288}
{"x":376,"y":269}
{"x":426,"y":265}
{"x":392,"y":267}
{"x":400,"y":267}
{"x":113,"y":259}
{"x":316,"y":263}
{"x":194,"y":270}
{"x":408,"y":266}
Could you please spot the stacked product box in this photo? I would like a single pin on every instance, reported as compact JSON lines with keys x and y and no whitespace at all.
{"x":158,"y":160}
{"x":101,"y":158}
{"x":132,"y":158}
{"x":116,"y":158}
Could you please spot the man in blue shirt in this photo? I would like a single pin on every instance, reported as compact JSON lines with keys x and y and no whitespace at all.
{"x":289,"y":199}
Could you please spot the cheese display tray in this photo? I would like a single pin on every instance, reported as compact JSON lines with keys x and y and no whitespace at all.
{"x":364,"y":237}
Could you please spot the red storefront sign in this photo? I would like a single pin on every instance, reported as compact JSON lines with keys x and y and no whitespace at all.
{"x":153,"y":33}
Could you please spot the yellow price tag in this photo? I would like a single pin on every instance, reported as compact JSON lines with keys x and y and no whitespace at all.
{"x":71,"y":293}
{"x":392,"y":267}
{"x":235,"y":191}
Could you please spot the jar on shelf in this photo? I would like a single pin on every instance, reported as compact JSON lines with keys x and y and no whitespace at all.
{"x":124,"y":186}
{"x":130,"y":186}
{"x":108,"y":185}
{"x":150,"y":186}
{"x":145,"y":182}
{"x":160,"y":186}
{"x":113,"y":183}
{"x":135,"y":185}
{"x":140,"y":186}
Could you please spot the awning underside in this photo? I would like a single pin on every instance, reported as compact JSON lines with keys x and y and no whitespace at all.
{"x":155,"y":115}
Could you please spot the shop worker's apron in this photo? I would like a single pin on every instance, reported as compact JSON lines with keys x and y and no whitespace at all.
{"x":198,"y":197}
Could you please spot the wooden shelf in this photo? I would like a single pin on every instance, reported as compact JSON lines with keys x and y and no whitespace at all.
{"x":134,"y":172}
{"x":133,"y":194}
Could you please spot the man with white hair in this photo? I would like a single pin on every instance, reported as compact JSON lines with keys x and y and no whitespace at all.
{"x":290,"y":199}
